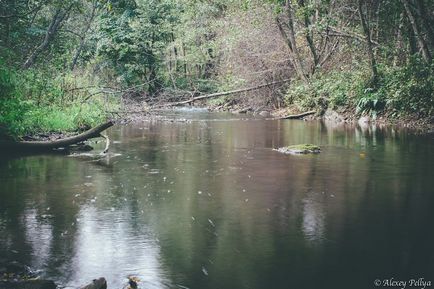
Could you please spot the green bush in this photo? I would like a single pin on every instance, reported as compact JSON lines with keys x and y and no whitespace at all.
{"x":400,"y":91}
{"x":409,"y":89}
{"x":333,"y":89}
{"x":32,"y":102}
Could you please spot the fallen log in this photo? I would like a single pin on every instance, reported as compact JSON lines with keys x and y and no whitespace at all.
{"x":60,"y":143}
{"x":294,"y":116}
{"x":223,"y":93}
{"x":107,"y":143}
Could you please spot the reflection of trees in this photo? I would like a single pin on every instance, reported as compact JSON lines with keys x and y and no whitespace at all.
{"x":322,"y":199}
{"x":261,"y":218}
{"x":37,"y":207}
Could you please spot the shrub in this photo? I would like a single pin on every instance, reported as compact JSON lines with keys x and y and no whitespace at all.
{"x":399,"y":90}
{"x":334,"y":89}
{"x":32,"y":102}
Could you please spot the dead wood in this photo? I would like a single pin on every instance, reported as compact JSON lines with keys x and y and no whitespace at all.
{"x":60,"y":143}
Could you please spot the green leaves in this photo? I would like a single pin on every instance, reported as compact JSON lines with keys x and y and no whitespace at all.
{"x":133,"y":37}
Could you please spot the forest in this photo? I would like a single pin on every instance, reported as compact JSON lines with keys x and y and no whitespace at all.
{"x":236,"y":144}
{"x":70,"y":65}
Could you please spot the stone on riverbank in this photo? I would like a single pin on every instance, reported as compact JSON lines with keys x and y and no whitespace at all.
{"x":300,"y":149}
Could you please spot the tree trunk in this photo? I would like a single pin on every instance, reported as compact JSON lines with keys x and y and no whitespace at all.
{"x":367,"y":32}
{"x":309,"y":39}
{"x":49,"y":145}
{"x":419,"y":37}
{"x":52,"y":30}
{"x":83,"y":38}
{"x":397,"y":59}
{"x":295,"y":60}
{"x":427,"y":21}
{"x":224,"y":93}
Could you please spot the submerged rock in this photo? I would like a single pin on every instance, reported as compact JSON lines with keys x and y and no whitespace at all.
{"x":300,"y":149}
{"x":99,"y":283}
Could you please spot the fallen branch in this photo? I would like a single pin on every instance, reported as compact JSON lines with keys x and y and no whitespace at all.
{"x":49,"y":145}
{"x":223,"y":93}
{"x":107,"y":143}
{"x":294,"y":116}
{"x":338,"y":33}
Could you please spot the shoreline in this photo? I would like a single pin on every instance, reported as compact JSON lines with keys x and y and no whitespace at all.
{"x":336,"y":117}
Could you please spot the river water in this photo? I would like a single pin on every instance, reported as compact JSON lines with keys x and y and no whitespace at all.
{"x":204,"y":202}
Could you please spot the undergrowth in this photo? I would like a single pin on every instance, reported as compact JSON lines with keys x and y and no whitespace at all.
{"x":35,"y":102}
{"x":399,"y":91}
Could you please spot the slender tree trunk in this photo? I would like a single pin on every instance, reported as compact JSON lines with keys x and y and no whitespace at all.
{"x":367,"y":32}
{"x":421,"y":42}
{"x":309,"y":38}
{"x":154,"y":82}
{"x":397,"y":60}
{"x":291,"y":36}
{"x":291,"y":43}
{"x":184,"y":60}
{"x":175,"y":53}
{"x":377,"y":26}
{"x":52,"y":30}
{"x":428,"y":22}
{"x":83,"y":38}
{"x":412,"y":46}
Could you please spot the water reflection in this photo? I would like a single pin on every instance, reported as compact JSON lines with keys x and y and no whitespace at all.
{"x":39,"y":235}
{"x":110,"y":239}
{"x":209,"y":204}
{"x":313,"y":219}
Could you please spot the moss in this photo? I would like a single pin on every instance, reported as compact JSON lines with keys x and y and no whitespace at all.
{"x":300,"y":149}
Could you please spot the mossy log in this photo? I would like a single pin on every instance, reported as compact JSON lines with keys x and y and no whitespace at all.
{"x":60,"y":143}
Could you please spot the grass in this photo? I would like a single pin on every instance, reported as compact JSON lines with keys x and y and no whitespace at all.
{"x":34,"y":102}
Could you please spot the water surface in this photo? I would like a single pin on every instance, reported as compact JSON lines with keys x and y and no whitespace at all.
{"x":205,"y":202}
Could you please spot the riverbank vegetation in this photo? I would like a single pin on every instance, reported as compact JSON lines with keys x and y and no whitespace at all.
{"x":67,"y":65}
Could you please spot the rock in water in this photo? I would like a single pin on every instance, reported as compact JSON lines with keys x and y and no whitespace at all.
{"x":100,"y":283}
{"x":300,"y":149}
{"x":28,"y":284}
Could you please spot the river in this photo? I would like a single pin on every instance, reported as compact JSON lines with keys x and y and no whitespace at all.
{"x":204,"y":202}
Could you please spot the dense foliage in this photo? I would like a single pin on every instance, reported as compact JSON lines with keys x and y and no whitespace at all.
{"x":64,"y":63}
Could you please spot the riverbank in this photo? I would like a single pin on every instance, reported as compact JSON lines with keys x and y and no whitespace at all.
{"x":399,"y":95}
{"x":339,"y":116}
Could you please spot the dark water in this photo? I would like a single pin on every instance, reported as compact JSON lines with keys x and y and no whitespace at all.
{"x":209,"y":204}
